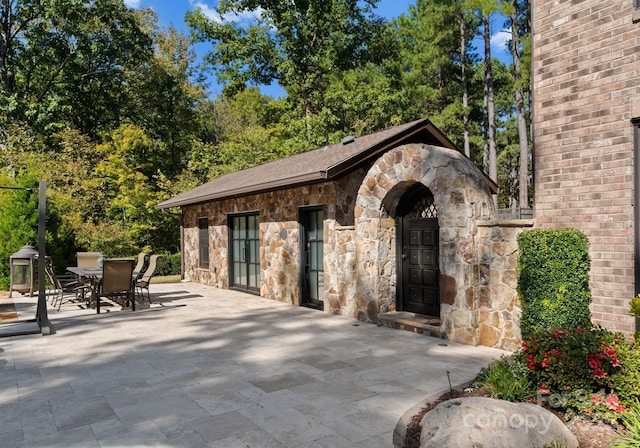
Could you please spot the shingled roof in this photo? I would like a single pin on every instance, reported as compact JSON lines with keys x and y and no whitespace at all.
{"x":326,"y":163}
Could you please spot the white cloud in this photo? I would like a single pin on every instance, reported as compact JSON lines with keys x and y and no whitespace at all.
{"x":211,"y":13}
{"x":132,"y":3}
{"x":500,"y":40}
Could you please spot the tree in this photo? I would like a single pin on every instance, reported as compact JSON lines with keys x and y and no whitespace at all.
{"x":438,"y":67}
{"x":15,"y":18}
{"x":464,"y":80}
{"x":127,"y":195}
{"x":18,"y":221}
{"x":249,"y":130}
{"x":64,"y":61}
{"x":519,"y":13}
{"x":430,"y":54}
{"x":164,"y":96}
{"x":299,"y":44}
{"x":485,"y":9}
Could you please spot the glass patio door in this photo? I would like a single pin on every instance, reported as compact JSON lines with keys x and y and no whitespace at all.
{"x":245,"y":253}
{"x":312,"y":288}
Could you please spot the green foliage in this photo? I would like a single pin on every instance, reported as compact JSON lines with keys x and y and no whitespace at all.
{"x":634,"y":310}
{"x":110,"y":110}
{"x":169,"y":264}
{"x":592,"y":371}
{"x":427,"y":40}
{"x":634,"y":306}
{"x":553,"y":280}
{"x":631,"y":422}
{"x":507,"y":379}
{"x":64,"y":62}
{"x":18,"y":224}
{"x":19,"y":211}
{"x":301,"y":45}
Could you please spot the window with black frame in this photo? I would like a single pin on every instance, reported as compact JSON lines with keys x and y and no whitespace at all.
{"x":203,"y":243}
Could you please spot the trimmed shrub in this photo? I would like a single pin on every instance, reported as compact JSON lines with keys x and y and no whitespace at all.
{"x":168,"y":264}
{"x":553,"y":280}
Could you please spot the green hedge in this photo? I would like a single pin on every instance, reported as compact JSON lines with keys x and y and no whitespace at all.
{"x":168,"y":264}
{"x":553,"y":280}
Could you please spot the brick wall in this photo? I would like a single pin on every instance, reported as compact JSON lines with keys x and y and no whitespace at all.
{"x":586,"y":84}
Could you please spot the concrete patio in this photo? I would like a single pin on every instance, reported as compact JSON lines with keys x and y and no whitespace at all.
{"x":206,"y":367}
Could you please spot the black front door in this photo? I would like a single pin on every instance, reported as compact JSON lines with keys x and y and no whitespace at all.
{"x":312,"y":285}
{"x":418,"y":231}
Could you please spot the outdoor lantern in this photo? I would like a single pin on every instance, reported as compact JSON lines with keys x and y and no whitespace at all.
{"x":23,"y":265}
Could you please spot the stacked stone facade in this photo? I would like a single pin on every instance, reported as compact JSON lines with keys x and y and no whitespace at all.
{"x":586,"y":85}
{"x":478,"y":299}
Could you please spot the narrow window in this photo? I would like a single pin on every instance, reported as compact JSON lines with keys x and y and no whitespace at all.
{"x":203,"y":243}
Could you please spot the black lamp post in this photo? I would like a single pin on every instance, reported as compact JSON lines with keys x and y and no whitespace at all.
{"x":26,"y":272}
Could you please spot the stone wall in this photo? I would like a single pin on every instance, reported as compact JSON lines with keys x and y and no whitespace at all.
{"x":498,"y":304}
{"x":477,"y":256}
{"x":586,"y":91}
{"x":279,"y":237}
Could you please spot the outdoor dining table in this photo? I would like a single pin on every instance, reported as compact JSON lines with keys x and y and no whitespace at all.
{"x":93,"y":276}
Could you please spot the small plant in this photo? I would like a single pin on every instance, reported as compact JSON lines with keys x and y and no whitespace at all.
{"x":634,"y":310}
{"x":507,"y":379}
{"x":631,"y":421}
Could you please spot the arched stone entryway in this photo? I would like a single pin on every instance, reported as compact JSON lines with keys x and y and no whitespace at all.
{"x":461,"y":196}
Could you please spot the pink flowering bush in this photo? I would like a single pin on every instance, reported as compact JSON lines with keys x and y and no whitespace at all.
{"x":590,"y":371}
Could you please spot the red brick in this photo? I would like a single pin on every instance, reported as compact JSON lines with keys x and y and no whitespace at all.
{"x":585,"y":70}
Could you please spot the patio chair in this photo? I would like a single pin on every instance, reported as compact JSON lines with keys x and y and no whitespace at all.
{"x":137,"y":271}
{"x":143,"y":282}
{"x":87,"y":259}
{"x":116,"y":283}
{"x":63,"y":285}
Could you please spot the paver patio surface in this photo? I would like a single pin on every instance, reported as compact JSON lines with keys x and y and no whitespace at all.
{"x":207,"y":367}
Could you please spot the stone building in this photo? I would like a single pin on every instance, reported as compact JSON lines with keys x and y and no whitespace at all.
{"x":399,"y":228}
{"x":396,"y":227}
{"x":586,"y":113}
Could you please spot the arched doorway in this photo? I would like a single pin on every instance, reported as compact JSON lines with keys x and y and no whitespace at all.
{"x":462,"y":196}
{"x":418,"y":253}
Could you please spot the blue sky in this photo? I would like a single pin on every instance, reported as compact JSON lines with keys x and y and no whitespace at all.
{"x":171,"y":12}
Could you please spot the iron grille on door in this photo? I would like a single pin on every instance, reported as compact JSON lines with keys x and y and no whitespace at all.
{"x":424,"y":208}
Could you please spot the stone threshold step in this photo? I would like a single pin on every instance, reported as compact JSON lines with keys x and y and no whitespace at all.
{"x":416,"y":323}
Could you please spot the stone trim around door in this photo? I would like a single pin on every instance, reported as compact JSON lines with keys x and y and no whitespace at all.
{"x":462,"y":198}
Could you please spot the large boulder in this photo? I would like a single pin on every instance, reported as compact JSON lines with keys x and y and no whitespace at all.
{"x":486,"y":422}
